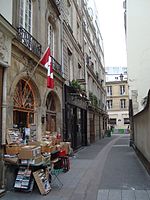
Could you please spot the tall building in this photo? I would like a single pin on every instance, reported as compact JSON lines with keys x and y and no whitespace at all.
{"x":94,"y":72}
{"x":7,"y":33}
{"x":26,"y":98}
{"x":117,"y":98}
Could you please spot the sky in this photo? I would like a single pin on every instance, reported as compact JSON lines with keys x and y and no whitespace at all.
{"x":111,"y":19}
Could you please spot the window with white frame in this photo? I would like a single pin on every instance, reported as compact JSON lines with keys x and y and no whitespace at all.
{"x":109,"y":104}
{"x":109,"y":90}
{"x":25,"y":15}
{"x":78,"y":33}
{"x":51,"y":38}
{"x":69,"y":12}
{"x":123,"y":103}
{"x":122,"y":89}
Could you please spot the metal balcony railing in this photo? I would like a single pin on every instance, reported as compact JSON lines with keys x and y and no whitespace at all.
{"x":29,"y":41}
{"x":56,"y":66}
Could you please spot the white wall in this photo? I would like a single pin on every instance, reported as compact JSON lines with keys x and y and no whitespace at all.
{"x":138,"y":47}
{"x":6,"y":9}
{"x":142,"y":131}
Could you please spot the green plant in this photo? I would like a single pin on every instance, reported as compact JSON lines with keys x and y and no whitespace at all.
{"x":95,"y":101}
{"x":75,"y":84}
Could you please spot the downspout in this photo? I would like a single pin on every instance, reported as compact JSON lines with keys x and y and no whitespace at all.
{"x":4,"y":104}
{"x":63,"y":90}
{"x":4,"y":111}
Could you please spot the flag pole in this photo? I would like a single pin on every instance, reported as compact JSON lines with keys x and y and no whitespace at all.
{"x":36,"y":66}
{"x":32,"y":73}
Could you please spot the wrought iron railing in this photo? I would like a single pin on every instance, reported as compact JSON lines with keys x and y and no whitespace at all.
{"x":56,"y":66}
{"x":29,"y":41}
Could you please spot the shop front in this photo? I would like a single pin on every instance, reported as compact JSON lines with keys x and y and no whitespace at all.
{"x":26,"y":110}
{"x":75,"y":119}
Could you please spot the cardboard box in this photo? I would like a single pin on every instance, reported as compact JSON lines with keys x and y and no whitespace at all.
{"x":11,"y":160}
{"x":47,"y":149}
{"x":12,"y":149}
{"x":34,"y":161}
{"x":29,"y":152}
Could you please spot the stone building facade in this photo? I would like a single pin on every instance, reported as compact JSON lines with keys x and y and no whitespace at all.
{"x":28,"y":101}
{"x":7,"y":33}
{"x":27,"y":73}
{"x":94,"y":73}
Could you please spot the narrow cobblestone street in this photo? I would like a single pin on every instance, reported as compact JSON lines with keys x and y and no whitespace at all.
{"x":106,"y":170}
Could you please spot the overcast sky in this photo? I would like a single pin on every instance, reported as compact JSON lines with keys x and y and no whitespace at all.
{"x":111,"y":17}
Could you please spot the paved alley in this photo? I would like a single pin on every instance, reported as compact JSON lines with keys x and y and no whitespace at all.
{"x":106,"y":170}
{"x":124,"y":177}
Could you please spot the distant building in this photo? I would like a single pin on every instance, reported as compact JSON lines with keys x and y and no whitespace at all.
{"x":117,"y":97}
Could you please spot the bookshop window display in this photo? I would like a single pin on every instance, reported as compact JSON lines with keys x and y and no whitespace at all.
{"x":23,"y":112}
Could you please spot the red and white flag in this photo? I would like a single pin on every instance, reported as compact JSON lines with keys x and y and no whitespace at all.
{"x":46,"y":60}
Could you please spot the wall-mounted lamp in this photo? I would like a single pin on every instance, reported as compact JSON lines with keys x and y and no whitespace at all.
{"x":43,"y":119}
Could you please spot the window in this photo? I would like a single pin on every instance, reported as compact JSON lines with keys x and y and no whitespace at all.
{"x":69,"y":13}
{"x":51,"y":38}
{"x":70,"y":65}
{"x":25,"y":19}
{"x":112,"y":121}
{"x":51,"y":112}
{"x":23,"y":111}
{"x":79,"y":71}
{"x":123,"y":103}
{"x":109,"y":90}
{"x":109,"y":104}
{"x":122,"y":89}
{"x":126,"y":121}
{"x":78,"y":33}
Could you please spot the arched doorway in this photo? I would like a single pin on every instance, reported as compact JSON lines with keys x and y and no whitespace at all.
{"x":52,"y":112}
{"x":24,"y":101}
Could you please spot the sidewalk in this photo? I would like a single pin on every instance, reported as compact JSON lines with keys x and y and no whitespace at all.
{"x":106,"y":170}
{"x":75,"y":182}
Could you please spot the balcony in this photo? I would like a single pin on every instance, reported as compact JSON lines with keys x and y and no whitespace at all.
{"x":29,"y":41}
{"x":56,"y":66}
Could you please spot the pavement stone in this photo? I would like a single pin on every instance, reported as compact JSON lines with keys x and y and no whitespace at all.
{"x":113,"y":194}
{"x":128,"y":195}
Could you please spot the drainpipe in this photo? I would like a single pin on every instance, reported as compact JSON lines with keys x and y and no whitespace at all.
{"x":4,"y":104}
{"x":4,"y":111}
{"x":63,"y":92}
